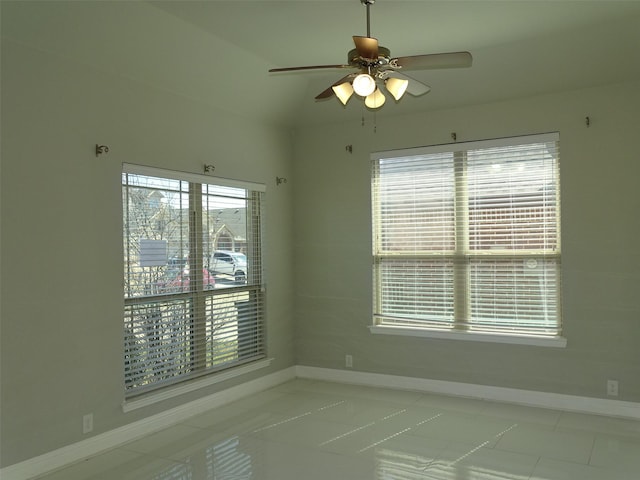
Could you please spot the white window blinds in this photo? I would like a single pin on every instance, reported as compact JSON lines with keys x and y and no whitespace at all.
{"x":182,"y":318}
{"x":466,"y":237}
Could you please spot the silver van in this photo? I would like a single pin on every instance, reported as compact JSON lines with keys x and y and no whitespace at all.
{"x":230,"y":264}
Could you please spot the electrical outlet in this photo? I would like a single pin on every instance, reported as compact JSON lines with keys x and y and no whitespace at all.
{"x":612,"y":388}
{"x":348,"y":361}
{"x":87,"y":423}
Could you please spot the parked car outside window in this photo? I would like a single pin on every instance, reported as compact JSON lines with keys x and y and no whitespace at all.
{"x":179,"y":282}
{"x":232,"y":265}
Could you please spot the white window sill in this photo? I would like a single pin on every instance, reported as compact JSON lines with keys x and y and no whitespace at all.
{"x":155,"y":397}
{"x":555,"y":342}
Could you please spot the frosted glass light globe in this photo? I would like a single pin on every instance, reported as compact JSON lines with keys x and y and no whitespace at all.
{"x":343,"y":92}
{"x":397,"y":87}
{"x":364,"y":84}
{"x":375,"y":100}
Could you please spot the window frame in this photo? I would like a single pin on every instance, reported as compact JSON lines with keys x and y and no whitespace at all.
{"x":245,"y":303}
{"x":460,"y":328}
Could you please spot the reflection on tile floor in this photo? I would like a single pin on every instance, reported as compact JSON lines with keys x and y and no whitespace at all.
{"x":318,"y":430}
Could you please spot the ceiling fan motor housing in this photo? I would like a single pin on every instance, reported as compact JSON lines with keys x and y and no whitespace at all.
{"x":354,"y":58}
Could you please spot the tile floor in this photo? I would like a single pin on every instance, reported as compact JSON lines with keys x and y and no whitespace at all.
{"x":307,"y":430}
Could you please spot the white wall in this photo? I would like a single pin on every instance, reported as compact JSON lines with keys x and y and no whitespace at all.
{"x":61,"y":351}
{"x":600,"y":256}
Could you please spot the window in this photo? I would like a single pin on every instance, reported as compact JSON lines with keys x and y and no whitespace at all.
{"x":183,"y":319}
{"x":466,"y":238}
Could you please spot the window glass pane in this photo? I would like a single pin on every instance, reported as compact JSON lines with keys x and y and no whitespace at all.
{"x":416,"y":290}
{"x":156,"y":236}
{"x":415,"y":199}
{"x":512,"y":198}
{"x":224,"y":219}
{"x":518,"y":294}
{"x":157,"y":342}
{"x":232,"y":329}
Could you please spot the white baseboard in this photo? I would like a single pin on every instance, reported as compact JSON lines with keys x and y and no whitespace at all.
{"x":206,"y":381}
{"x":86,"y":448}
{"x":555,"y":401}
{"x":73,"y":453}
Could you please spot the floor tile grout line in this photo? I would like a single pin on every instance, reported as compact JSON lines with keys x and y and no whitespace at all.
{"x":346,"y":434}
{"x":398,"y":433}
{"x":534,"y":468}
{"x":557,"y":424}
{"x":282,"y":422}
{"x":471,"y":452}
{"x":591,"y":451}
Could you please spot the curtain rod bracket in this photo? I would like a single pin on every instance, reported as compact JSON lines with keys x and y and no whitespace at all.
{"x":100,"y":149}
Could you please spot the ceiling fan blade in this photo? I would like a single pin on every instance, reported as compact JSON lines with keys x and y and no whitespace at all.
{"x":435,"y":60}
{"x":325,"y":94}
{"x":311,"y":67}
{"x":329,"y":91}
{"x":415,"y":87}
{"x":367,"y":47}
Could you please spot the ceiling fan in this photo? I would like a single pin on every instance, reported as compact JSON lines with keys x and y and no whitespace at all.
{"x":374,"y":67}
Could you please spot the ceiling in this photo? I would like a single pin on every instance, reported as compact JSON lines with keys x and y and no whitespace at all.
{"x":219,"y":52}
{"x":520,"y":48}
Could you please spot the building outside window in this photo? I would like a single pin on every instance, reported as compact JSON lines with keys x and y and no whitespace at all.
{"x":182,"y":318}
{"x":466,"y":238}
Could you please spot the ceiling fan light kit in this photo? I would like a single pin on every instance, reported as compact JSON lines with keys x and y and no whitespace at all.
{"x":375,"y":67}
